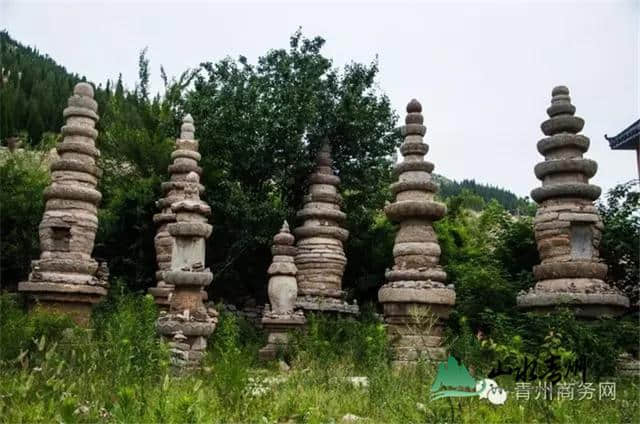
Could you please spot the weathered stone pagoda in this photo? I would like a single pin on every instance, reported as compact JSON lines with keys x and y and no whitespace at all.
{"x":320,"y":259}
{"x":185,"y":160}
{"x":416,"y":299}
{"x":279,"y":317}
{"x":189,"y":322}
{"x":567,"y":225}
{"x":66,"y":278}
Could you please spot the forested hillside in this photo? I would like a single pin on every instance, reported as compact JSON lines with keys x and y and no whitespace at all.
{"x":480,"y":194}
{"x":34,"y":90}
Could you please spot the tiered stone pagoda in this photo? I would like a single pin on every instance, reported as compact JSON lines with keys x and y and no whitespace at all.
{"x":189,"y":322}
{"x":568,"y":227}
{"x":416,"y":299}
{"x":320,"y":259}
{"x":279,"y":317}
{"x":66,"y":278}
{"x":185,"y":159}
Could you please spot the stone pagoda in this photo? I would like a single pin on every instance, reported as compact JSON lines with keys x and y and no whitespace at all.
{"x":320,"y":259}
{"x":66,"y":278}
{"x":185,"y":159}
{"x":279,"y":317}
{"x":567,"y":225}
{"x":416,"y":299}
{"x":189,"y":322}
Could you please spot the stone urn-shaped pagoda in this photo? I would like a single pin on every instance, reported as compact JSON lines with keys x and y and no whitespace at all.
{"x":279,"y":317}
{"x":320,"y":259}
{"x":567,"y":225}
{"x":66,"y":278}
{"x":185,"y":160}
{"x":416,"y":299}
{"x":189,"y":322}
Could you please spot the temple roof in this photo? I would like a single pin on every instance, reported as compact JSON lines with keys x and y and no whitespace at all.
{"x":628,"y":138}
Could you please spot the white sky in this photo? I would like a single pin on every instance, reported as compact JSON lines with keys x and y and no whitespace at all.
{"x":483,"y":70}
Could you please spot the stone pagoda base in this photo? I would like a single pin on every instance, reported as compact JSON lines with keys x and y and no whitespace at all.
{"x":187,"y":336}
{"x":415,"y":320}
{"x":588,"y":298}
{"x":279,"y":329}
{"x":66,"y":287}
{"x":326,"y":305}
{"x":162,"y":295}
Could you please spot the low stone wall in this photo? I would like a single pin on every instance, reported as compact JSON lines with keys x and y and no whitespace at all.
{"x":251,"y":313}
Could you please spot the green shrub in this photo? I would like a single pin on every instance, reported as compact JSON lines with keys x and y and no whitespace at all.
{"x":21,"y":332}
{"x":231,"y":360}
{"x":24,"y":177}
{"x":125,"y":330}
{"x":362,"y":342}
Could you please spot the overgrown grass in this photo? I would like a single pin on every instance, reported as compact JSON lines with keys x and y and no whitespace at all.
{"x":119,"y":372}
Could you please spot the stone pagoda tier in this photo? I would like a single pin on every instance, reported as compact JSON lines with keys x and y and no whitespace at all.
{"x":415,"y":299}
{"x":189,"y":322}
{"x":185,"y":160}
{"x":279,"y":317}
{"x":567,"y":225}
{"x":66,"y":278}
{"x":320,"y":259}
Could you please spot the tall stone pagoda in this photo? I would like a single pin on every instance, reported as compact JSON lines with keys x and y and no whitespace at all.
{"x":279,"y":317}
{"x":189,"y":322}
{"x":416,"y":299}
{"x":185,"y":159}
{"x":320,"y":259}
{"x":567,"y":225}
{"x":66,"y":278}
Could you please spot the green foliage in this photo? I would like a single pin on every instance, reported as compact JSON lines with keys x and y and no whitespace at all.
{"x":125,"y":329}
{"x":24,"y":177}
{"x":126,"y":231}
{"x":20,"y":332}
{"x":232,"y":361}
{"x":476,"y":195}
{"x":512,"y":337}
{"x":261,"y":126}
{"x":619,"y":246}
{"x":488,"y":256}
{"x":34,"y":93}
{"x":336,"y":340}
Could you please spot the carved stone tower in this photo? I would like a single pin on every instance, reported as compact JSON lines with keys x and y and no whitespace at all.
{"x":66,"y":278}
{"x":416,"y":299}
{"x":279,"y":316}
{"x":185,"y":159}
{"x":320,"y":259}
{"x":567,"y":225}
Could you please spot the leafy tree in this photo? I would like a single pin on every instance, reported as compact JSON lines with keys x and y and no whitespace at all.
{"x":24,"y":177}
{"x":619,"y":246}
{"x":260,"y":127}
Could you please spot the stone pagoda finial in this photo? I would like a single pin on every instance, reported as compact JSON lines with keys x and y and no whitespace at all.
{"x":189,"y":322}
{"x":279,"y":317}
{"x":185,"y":160}
{"x":416,"y":284}
{"x":320,"y":259}
{"x":66,"y":278}
{"x":567,"y":225}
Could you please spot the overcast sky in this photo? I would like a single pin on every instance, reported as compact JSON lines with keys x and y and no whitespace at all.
{"x":482,"y":70}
